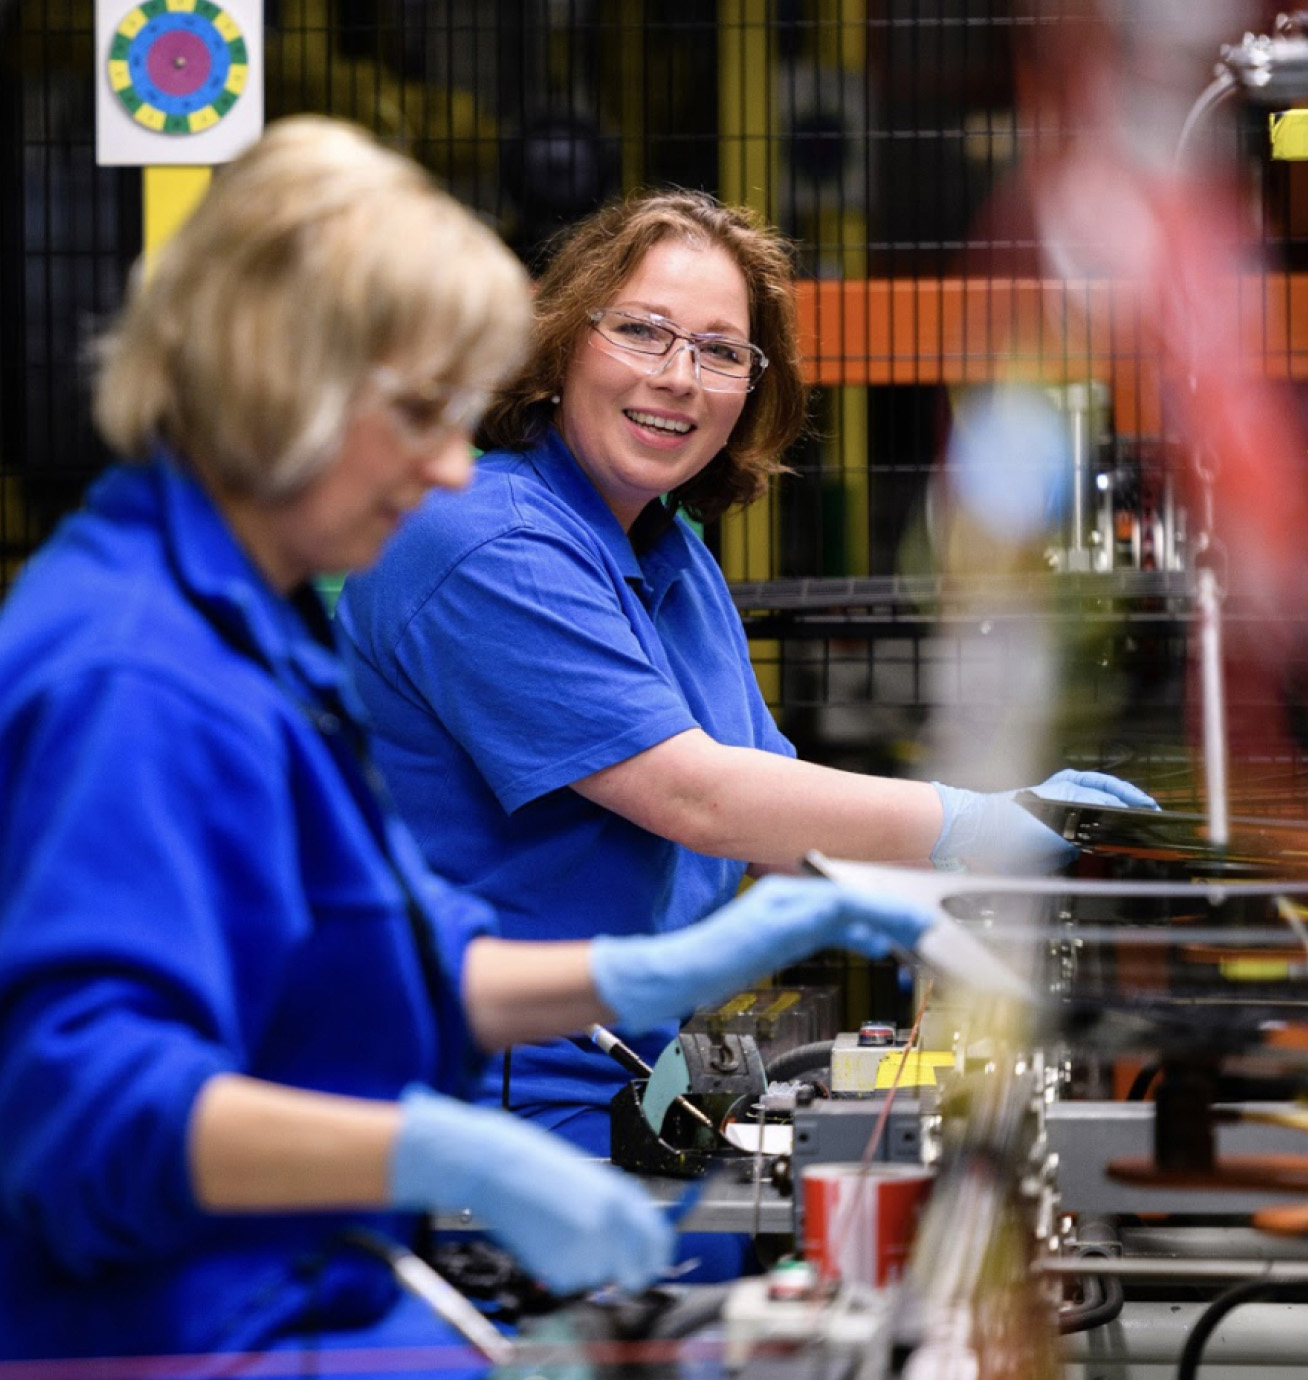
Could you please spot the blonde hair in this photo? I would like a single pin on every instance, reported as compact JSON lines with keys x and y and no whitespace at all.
{"x":591,"y":263}
{"x":316,"y":256}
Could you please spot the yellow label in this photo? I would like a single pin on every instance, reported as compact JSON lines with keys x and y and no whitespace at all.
{"x":236,"y":79}
{"x":1255,"y":969}
{"x":1289,"y":133}
{"x":203,"y":119}
{"x":226,"y":26}
{"x":150,"y":118}
{"x":119,"y":76}
{"x":737,"y":1006}
{"x":919,"y":1069}
{"x":183,"y":6}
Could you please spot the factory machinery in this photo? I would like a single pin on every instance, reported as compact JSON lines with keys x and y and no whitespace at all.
{"x":1086,"y":1153}
{"x":1086,"y":1158}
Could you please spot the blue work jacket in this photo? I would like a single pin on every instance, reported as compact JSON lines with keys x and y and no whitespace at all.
{"x":195,"y":879}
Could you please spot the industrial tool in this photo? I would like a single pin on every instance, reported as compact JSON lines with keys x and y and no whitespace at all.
{"x":627,"y":1058}
{"x":1174,"y":842}
{"x":669,"y":1119}
{"x":423,"y":1282}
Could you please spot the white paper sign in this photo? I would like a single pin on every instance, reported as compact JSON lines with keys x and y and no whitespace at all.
{"x":177,"y":81}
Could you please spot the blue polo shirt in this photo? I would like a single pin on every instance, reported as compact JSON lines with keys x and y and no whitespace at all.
{"x":513,"y":639}
{"x":193,"y":880}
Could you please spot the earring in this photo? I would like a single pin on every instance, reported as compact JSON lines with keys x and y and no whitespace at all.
{"x":555,"y":399}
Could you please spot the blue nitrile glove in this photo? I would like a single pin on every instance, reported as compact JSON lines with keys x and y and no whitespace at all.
{"x":647,"y":979}
{"x":993,"y":833}
{"x":574,"y":1223}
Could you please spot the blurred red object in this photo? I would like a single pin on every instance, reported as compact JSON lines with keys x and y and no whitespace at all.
{"x":1102,"y":197}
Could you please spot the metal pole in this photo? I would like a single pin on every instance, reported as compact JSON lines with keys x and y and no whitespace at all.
{"x":1214,"y":708}
{"x":1174,"y":1270}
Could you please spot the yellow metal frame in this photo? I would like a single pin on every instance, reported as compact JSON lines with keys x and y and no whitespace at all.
{"x":842,"y":42}
{"x":747,"y":174}
{"x":169,"y":195}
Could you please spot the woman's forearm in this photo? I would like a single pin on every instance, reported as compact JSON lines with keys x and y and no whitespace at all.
{"x":723,"y":801}
{"x":769,"y":810}
{"x":256,"y":1146}
{"x":261,"y":1147}
{"x":514,"y":991}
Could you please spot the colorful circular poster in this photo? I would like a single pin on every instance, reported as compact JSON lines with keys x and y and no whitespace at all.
{"x":178,"y":66}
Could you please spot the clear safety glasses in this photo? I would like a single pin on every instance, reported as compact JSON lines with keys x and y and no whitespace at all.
{"x":722,"y":364}
{"x":424,"y":410}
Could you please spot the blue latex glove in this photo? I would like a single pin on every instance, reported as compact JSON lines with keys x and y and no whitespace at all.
{"x":647,"y":979}
{"x":575,"y":1223}
{"x":993,"y":833}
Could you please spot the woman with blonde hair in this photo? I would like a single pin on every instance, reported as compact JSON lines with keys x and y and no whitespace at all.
{"x":237,"y":1013}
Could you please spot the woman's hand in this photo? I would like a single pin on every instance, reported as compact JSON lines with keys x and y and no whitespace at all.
{"x":647,"y":979}
{"x":991,"y":832}
{"x":575,"y":1223}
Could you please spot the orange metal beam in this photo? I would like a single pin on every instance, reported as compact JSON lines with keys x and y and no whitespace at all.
{"x":976,"y":330}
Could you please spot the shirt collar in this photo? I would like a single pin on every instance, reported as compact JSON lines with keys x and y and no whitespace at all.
{"x":651,"y":526}
{"x":558,"y":469}
{"x":563,"y":476}
{"x":288,"y":635}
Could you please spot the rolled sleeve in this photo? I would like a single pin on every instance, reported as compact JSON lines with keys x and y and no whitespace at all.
{"x":553,"y":681}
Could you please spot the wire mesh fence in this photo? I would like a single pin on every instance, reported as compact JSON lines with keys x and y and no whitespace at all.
{"x":889,"y":141}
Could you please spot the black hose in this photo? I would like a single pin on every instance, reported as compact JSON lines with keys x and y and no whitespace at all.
{"x":1245,"y":1292}
{"x":1104,"y":1300}
{"x":1092,"y":1298}
{"x":1142,"y":1082}
{"x":801,"y":1059}
{"x":1103,"y":1296}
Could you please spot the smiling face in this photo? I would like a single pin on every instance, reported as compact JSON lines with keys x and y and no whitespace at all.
{"x":640,"y":434}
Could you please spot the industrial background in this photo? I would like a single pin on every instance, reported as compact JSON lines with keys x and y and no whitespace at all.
{"x":884,"y":138}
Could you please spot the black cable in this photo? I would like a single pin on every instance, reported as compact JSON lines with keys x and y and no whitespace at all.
{"x":1103,"y":1297}
{"x":1092,"y":1298}
{"x":1114,"y":1302}
{"x":801,"y":1059}
{"x":1245,"y":1292}
{"x":1103,"y":1303}
{"x":1142,"y":1082}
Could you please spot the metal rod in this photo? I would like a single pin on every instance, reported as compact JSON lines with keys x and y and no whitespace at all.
{"x":446,"y":1302}
{"x":1147,"y":936}
{"x":424,"y":1283}
{"x":1214,"y":708}
{"x":1167,"y":1267}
